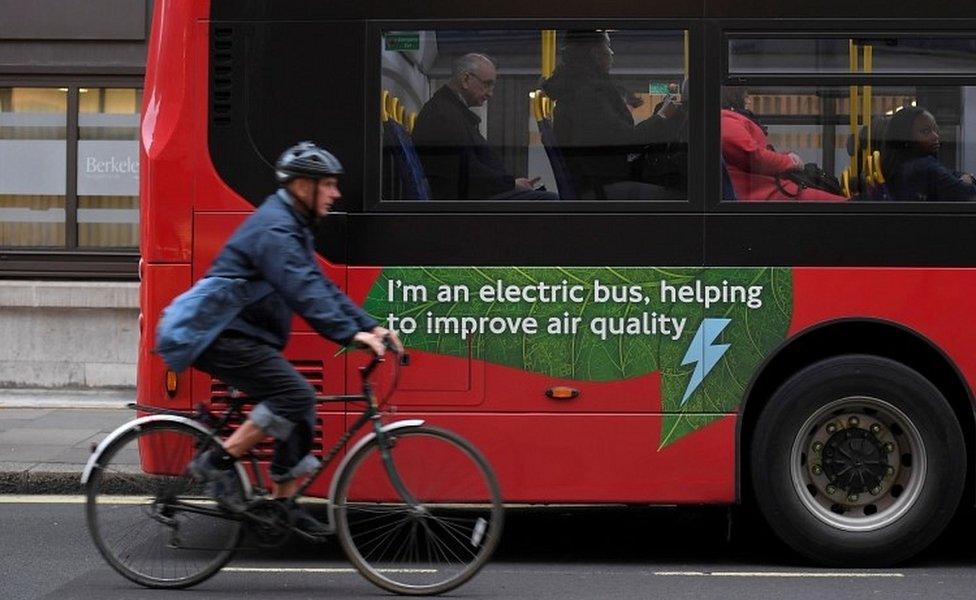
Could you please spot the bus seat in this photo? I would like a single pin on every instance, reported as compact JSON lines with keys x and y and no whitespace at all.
{"x":409,"y":169}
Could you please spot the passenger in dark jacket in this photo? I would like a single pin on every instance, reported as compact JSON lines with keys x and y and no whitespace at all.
{"x":275,"y":246}
{"x":458,"y":162}
{"x":910,"y":164}
{"x":592,"y":123}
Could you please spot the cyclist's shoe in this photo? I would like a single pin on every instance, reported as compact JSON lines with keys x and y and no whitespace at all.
{"x":305,"y":525}
{"x":220,"y":484}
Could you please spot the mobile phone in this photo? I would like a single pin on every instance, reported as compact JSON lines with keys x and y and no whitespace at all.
{"x":674,"y":93}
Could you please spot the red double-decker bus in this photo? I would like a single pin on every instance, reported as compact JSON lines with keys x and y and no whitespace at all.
{"x":749,"y":283}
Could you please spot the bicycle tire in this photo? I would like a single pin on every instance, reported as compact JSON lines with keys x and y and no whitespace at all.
{"x":450,"y":539}
{"x":131,"y":492}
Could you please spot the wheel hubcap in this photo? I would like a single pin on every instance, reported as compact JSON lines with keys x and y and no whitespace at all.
{"x":858,"y":463}
{"x":854,"y":460}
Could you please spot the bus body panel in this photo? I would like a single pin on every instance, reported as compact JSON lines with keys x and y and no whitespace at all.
{"x":935,"y":303}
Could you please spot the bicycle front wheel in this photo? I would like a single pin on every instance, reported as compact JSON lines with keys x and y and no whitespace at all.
{"x":151,"y":521}
{"x":442,"y":537}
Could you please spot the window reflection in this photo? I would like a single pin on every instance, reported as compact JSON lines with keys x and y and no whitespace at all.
{"x":534,"y":115}
{"x":815,"y":144}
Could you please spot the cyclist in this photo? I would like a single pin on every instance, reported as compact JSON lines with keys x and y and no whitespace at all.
{"x":275,"y":244}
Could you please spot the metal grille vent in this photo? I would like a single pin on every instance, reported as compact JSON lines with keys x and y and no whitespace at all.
{"x":312,"y":370}
{"x":221,"y":73}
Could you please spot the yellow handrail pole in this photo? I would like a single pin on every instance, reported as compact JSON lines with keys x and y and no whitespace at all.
{"x":868,"y":111}
{"x":384,"y":98}
{"x":401,"y":112}
{"x":852,"y":47}
{"x":552,"y":51}
{"x":395,"y":112}
{"x":390,"y":105}
{"x":548,"y":52}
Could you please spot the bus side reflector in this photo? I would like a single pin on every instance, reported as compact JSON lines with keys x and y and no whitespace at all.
{"x":171,"y":380}
{"x":561,"y":392}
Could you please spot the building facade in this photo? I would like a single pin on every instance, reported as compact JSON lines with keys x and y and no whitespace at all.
{"x":70,"y":97}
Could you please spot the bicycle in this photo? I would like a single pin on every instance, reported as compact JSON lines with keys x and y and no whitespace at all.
{"x":417,"y":509}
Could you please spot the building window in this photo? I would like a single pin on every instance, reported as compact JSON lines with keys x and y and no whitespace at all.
{"x":33,"y":162}
{"x":108,"y":168}
{"x":69,"y":177}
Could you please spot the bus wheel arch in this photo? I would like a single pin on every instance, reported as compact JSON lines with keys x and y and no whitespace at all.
{"x":872,"y":344}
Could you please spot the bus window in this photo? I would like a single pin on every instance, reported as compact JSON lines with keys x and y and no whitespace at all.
{"x":886,"y":143}
{"x":534,"y":115}
{"x":891,"y":54}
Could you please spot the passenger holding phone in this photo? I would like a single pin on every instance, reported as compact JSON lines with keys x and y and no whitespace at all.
{"x":592,"y":122}
{"x":663,"y":160}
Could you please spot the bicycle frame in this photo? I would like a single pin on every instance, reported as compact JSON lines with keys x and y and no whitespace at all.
{"x":371,"y":414}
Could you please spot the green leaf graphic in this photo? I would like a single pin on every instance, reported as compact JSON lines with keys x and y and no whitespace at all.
{"x":586,"y":355}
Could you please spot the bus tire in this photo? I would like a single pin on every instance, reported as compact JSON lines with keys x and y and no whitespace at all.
{"x":858,"y":460}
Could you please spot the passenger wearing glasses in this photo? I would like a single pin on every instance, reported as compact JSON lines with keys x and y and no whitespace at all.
{"x":458,"y":162}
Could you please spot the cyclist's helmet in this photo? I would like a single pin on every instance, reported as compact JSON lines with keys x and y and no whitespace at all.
{"x":305,"y":159}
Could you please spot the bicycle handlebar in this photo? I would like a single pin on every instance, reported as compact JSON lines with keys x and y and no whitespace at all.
{"x":402,"y":358}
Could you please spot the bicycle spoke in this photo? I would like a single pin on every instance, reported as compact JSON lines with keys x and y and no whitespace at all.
{"x":171,"y":539}
{"x":431,"y":547}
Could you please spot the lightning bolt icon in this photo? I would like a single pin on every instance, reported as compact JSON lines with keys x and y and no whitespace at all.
{"x":704,"y":353}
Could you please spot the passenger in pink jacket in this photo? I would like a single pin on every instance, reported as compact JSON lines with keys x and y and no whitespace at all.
{"x":752,"y":164}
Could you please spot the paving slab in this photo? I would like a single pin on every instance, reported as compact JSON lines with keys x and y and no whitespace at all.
{"x":46,"y":436}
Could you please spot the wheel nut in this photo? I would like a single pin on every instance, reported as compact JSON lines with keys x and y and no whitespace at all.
{"x":853,"y":497}
{"x":889,"y":447}
{"x":890,"y":470}
{"x":831,"y":427}
{"x":876,"y":490}
{"x":817,"y":446}
{"x":875,"y":428}
{"x":831,"y":490}
{"x":853,"y":421}
{"x":816,"y":469}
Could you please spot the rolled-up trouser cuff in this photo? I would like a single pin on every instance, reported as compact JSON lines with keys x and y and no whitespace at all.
{"x":305,"y":466}
{"x":276,"y":426}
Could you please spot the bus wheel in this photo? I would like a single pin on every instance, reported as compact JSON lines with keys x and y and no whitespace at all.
{"x":858,"y":460}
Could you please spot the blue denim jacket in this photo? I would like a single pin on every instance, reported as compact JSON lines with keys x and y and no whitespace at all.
{"x":275,"y":244}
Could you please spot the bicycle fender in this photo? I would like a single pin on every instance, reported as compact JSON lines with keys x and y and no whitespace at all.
{"x":352,"y":452}
{"x":93,"y":460}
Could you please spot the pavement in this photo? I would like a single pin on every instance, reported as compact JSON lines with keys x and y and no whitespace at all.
{"x":47,"y":435}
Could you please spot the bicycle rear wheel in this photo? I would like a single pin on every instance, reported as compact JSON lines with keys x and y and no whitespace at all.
{"x":435,"y":545}
{"x":149,"y":518}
